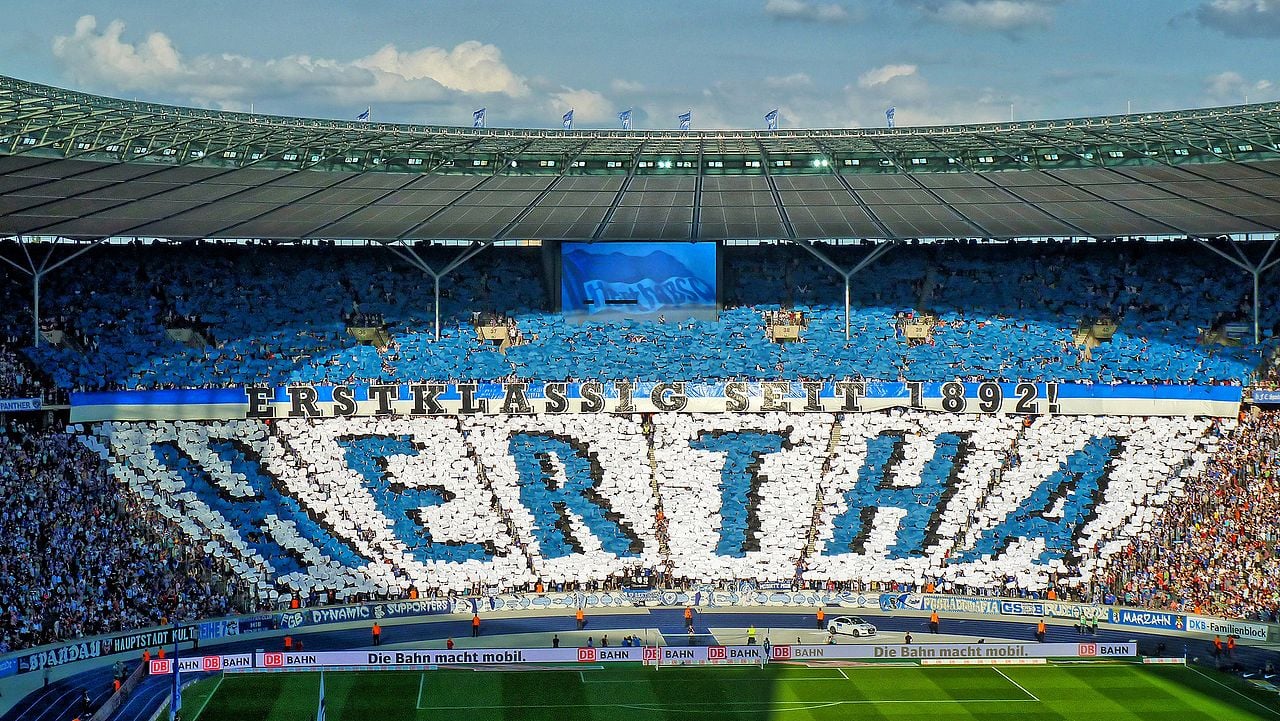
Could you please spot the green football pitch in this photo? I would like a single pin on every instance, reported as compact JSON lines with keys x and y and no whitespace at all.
{"x":1112,"y":692}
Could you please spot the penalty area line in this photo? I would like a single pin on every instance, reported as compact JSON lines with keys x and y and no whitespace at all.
{"x":1246,"y":698}
{"x":422,"y":679}
{"x":1015,"y":683}
{"x":208,"y":698}
{"x":785,"y":705}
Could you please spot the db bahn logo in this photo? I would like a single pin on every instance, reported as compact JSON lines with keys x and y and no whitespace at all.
{"x":161,"y":666}
{"x":273,"y":659}
{"x":782,"y":652}
{"x":586,"y":654}
{"x":650,"y":653}
{"x":1087,"y":649}
{"x":211,"y":663}
{"x":716,"y":653}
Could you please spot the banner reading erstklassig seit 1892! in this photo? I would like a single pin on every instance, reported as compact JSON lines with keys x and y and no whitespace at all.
{"x":594,"y":397}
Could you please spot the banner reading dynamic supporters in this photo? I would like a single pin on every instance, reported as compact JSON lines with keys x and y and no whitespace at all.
{"x":425,"y":399}
{"x":1267,"y":397}
{"x":366,"y":612}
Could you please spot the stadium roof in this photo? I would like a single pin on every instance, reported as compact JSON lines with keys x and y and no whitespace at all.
{"x":86,"y":166}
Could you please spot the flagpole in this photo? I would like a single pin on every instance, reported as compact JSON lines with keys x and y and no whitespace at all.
{"x":175,"y":703}
{"x":320,"y":709}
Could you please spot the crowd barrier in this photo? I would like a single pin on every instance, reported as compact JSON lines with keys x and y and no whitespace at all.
{"x":746,"y":595}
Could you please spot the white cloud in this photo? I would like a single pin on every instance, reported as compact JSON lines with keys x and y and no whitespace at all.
{"x":470,"y":67}
{"x":795,"y":80}
{"x":102,"y":58}
{"x":1011,"y":17}
{"x":884,"y":74}
{"x":1230,"y":88}
{"x":1241,"y":18}
{"x":438,"y":85}
{"x":806,"y":10}
{"x":618,"y":85}
{"x":740,"y":103}
{"x":588,"y":106}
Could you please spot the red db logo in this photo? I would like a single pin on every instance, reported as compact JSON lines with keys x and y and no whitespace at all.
{"x":211,"y":663}
{"x":1088,"y":649}
{"x":650,"y":653}
{"x":275,"y":658}
{"x":161,"y":666}
{"x":716,"y":653}
{"x":782,"y":652}
{"x":586,"y":654}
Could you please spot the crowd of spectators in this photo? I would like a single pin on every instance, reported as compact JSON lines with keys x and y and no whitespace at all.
{"x":1214,"y":551}
{"x":17,"y":379}
{"x":1268,"y":375}
{"x":72,"y":336}
{"x":80,"y":557}
{"x":1002,"y":313}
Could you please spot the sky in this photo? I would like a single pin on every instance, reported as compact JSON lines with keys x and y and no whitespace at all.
{"x":822,"y":63}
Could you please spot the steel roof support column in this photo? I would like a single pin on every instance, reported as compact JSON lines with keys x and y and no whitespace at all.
{"x":1254,"y":269}
{"x":36,"y":272}
{"x":30,"y":271}
{"x":410,"y":256}
{"x":877,"y":251}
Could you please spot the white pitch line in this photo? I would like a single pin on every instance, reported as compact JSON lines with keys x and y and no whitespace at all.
{"x":1015,"y":683}
{"x":208,"y":698}
{"x":842,"y":673}
{"x":656,"y":707}
{"x":1247,"y":698}
{"x":422,"y":679}
{"x":811,"y":706}
{"x":720,"y":680}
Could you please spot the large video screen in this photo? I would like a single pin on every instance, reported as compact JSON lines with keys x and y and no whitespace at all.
{"x":608,"y":281}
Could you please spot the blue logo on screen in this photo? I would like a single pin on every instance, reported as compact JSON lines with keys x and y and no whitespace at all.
{"x":638,"y":277}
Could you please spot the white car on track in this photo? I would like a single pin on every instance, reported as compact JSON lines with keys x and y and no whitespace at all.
{"x":851,"y":625}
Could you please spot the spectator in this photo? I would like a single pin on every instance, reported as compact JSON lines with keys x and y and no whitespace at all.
{"x":1213,"y":550}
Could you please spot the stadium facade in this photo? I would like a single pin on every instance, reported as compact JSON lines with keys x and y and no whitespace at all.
{"x":311,"y":480}
{"x":86,"y":166}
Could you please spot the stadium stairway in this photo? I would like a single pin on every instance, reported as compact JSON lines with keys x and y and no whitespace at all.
{"x":59,"y":701}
